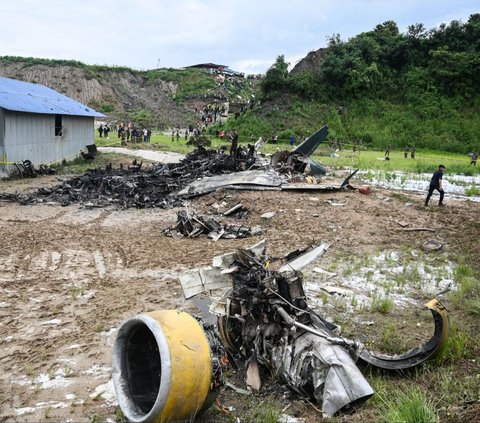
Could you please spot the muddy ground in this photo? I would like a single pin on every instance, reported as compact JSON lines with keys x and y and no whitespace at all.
{"x":70,"y":275}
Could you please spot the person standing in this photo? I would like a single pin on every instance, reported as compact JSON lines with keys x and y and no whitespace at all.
{"x":405,"y":151}
{"x":474,"y":157}
{"x":106,"y":131}
{"x":436,"y":184}
{"x":234,"y":145}
{"x":387,"y":152}
{"x":414,"y":152}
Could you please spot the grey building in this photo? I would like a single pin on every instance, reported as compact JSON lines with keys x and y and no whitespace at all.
{"x":41,"y":125}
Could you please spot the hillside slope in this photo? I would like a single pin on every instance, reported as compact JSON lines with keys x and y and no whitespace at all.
{"x":162,"y":98}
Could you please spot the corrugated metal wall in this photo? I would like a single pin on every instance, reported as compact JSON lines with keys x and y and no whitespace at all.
{"x":32,"y":136}
{"x":3,"y":159}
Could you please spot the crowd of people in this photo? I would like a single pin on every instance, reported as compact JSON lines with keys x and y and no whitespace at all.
{"x":127,"y":133}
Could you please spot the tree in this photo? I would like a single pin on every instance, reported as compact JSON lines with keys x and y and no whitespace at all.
{"x":276,"y":79}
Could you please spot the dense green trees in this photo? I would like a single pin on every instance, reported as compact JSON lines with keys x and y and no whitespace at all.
{"x":384,"y":63}
{"x":420,"y":87}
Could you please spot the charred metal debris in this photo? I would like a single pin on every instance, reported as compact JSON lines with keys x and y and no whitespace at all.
{"x":135,"y":186}
{"x":202,"y":171}
{"x":191,"y":225}
{"x":264,"y":320}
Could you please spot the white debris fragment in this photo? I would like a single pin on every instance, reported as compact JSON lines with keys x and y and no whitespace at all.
{"x":53,"y":322}
{"x":285,"y":418}
{"x":267,"y":215}
{"x":72,"y":347}
{"x":97,"y":371}
{"x":40,"y":406}
{"x":105,"y":391}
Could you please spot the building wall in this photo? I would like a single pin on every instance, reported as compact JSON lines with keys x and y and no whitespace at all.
{"x":2,"y":131}
{"x":32,"y":136}
{"x":3,"y":166}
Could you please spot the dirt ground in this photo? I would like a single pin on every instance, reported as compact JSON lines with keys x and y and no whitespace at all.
{"x":70,"y":275}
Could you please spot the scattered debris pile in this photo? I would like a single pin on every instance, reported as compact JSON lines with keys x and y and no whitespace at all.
{"x":264,"y":318}
{"x":191,"y":225}
{"x":134,"y":187}
{"x":26,"y":169}
{"x":202,"y":171}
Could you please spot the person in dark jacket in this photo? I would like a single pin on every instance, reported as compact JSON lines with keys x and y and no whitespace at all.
{"x":234,"y":144}
{"x":436,"y":184}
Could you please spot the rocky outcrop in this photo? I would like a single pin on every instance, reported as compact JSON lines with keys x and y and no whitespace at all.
{"x":311,"y":63}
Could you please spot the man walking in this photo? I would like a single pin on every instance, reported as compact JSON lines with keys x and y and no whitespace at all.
{"x":473,"y":161}
{"x":387,"y":152}
{"x":436,"y":184}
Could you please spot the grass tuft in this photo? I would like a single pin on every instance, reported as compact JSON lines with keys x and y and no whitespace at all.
{"x":383,"y":305}
{"x":409,"y":405}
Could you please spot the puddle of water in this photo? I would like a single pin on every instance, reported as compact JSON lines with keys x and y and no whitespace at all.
{"x":454,"y":185}
{"x":384,"y":276}
{"x":156,"y":156}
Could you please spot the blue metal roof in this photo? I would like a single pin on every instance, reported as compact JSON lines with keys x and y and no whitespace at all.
{"x":20,"y":96}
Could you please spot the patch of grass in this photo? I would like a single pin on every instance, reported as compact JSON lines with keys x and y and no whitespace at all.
{"x":456,"y":347}
{"x":389,"y":340}
{"x":332,"y":266}
{"x":119,"y":416}
{"x":37,"y":389}
{"x":354,"y":301}
{"x":47,"y":413}
{"x":349,"y":270}
{"x":76,"y":291}
{"x":402,"y":197}
{"x":80,"y":165}
{"x":325,"y":297}
{"x":264,"y":413}
{"x":468,"y":294}
{"x":99,"y":327}
{"x":454,"y":387}
{"x":407,"y":405}
{"x":29,"y":370}
{"x":472,"y":306}
{"x":381,"y":304}
{"x":472,"y":191}
{"x":96,"y":419}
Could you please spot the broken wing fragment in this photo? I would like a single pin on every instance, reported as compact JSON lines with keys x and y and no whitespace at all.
{"x":419,"y":354}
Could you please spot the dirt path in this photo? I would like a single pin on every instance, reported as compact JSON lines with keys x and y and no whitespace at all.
{"x":69,"y":277}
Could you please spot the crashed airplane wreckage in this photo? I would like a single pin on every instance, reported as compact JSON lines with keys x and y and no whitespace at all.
{"x":201,"y":172}
{"x":167,"y":365}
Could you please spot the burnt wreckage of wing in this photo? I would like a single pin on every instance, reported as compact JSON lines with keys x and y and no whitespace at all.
{"x":166,"y":185}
